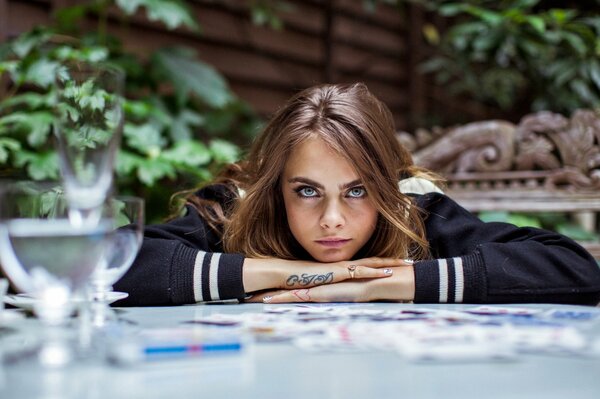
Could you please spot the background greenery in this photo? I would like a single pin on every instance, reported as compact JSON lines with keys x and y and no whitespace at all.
{"x":518,"y":55}
{"x":182,"y":120}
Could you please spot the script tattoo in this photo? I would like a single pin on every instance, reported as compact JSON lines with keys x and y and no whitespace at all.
{"x":309,"y":279}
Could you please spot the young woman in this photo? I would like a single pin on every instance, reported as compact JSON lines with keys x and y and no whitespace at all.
{"x":328,"y":206}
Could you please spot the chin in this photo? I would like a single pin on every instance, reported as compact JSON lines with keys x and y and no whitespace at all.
{"x":331,"y":257}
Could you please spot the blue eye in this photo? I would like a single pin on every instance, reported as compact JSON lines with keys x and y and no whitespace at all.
{"x":306,"y":192}
{"x":357,"y":192}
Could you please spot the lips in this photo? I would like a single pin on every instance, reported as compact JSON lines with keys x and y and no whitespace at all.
{"x":333,"y":242}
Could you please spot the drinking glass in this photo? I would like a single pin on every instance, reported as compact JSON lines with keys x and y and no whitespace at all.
{"x":48,"y":257}
{"x":122,"y":248}
{"x":88,"y":126}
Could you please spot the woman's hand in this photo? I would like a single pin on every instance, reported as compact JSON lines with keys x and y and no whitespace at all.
{"x":399,"y":286}
{"x":264,"y":274}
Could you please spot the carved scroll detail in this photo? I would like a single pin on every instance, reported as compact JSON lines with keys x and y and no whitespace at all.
{"x":566,"y":151}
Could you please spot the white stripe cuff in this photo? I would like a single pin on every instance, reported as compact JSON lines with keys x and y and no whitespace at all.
{"x":443,"y":266}
{"x":198,"y":276}
{"x":213,"y":280}
{"x":459,"y":280}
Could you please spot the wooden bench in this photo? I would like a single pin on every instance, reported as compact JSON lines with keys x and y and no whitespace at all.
{"x":547,"y":162}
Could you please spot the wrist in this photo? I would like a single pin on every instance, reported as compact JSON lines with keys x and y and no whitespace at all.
{"x":399,"y":287}
{"x":263,"y":274}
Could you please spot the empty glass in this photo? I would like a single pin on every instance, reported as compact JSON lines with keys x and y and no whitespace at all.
{"x":88,"y":125}
{"x":123,"y":246}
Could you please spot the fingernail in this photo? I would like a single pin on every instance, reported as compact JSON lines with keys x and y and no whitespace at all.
{"x":409,"y":261}
{"x":267,"y":299}
{"x":388,"y":271}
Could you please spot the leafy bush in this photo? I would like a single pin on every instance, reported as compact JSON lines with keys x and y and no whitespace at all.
{"x":519,"y":53}
{"x":181,"y":117}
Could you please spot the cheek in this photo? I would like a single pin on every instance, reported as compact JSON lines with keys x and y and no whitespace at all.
{"x":297,"y":216}
{"x":368,"y":218}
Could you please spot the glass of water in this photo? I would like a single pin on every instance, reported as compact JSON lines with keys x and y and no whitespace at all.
{"x":48,"y":257}
{"x":123,"y":246}
{"x":88,"y":127}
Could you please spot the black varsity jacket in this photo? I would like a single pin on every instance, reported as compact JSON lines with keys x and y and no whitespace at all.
{"x":474,"y":262}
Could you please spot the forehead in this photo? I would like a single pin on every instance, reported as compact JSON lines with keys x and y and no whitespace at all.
{"x":314,"y":159}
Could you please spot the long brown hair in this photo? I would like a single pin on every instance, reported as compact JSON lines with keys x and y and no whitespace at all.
{"x":356,"y":125}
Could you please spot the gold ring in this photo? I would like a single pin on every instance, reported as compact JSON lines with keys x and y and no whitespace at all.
{"x":351,"y":270}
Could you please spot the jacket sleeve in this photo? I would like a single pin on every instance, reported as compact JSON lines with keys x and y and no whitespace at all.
{"x":181,"y":262}
{"x":477,"y":262}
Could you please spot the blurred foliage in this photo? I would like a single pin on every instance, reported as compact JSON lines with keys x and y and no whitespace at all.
{"x":555,"y":221}
{"x":182,"y":120}
{"x":518,"y":53}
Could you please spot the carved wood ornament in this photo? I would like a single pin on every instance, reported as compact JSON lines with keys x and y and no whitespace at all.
{"x":544,"y":151}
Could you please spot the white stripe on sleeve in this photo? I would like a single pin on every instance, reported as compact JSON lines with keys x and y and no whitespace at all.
{"x":443,"y":265}
{"x":198,"y":276}
{"x":213,"y":279}
{"x":459,"y":280}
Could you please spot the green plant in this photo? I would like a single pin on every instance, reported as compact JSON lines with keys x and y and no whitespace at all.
{"x":513,"y":53}
{"x":177,"y":109}
{"x":559,"y":222}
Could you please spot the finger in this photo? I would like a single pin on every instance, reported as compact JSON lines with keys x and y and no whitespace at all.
{"x":383,"y":262}
{"x":355,"y":272}
{"x":258,"y":297}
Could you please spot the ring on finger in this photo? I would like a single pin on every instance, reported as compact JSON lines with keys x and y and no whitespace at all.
{"x":352,"y":270}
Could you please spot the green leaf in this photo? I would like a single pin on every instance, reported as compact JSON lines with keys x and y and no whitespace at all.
{"x":491,"y":17}
{"x":127,"y":162}
{"x":7,"y":145}
{"x":537,"y":23}
{"x":182,"y":125}
{"x":30,"y":100}
{"x":137,"y":109}
{"x":149,"y":171}
{"x":40,"y":125}
{"x":39,"y":166}
{"x":42,"y":72}
{"x":583,"y":91}
{"x":189,"y":75}
{"x":594,"y":69}
{"x":451,"y":9}
{"x":36,"y":125}
{"x":22,"y":45}
{"x":575,"y":41}
{"x":224,"y":151}
{"x":145,"y":138}
{"x":523,"y":220}
{"x":172,"y":13}
{"x":9,"y":66}
{"x":189,"y":152}
{"x":67,"y":17}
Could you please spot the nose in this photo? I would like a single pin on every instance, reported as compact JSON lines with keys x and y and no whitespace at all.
{"x":332,"y":216}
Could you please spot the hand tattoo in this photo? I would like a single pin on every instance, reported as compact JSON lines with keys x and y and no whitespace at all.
{"x":309,"y":279}
{"x":303,"y":295}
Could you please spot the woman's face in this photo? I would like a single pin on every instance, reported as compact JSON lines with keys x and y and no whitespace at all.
{"x":328,"y":209}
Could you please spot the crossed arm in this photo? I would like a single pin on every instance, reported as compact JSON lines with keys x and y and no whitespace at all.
{"x":369,"y":279}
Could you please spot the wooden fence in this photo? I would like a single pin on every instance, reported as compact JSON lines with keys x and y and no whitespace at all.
{"x":322,"y":41}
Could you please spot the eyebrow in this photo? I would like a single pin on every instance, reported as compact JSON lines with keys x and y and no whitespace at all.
{"x":306,"y":180}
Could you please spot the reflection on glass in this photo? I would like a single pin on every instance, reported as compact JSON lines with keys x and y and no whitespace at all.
{"x":88,"y":125}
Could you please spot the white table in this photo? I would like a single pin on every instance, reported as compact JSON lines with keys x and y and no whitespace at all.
{"x":280,"y":370}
